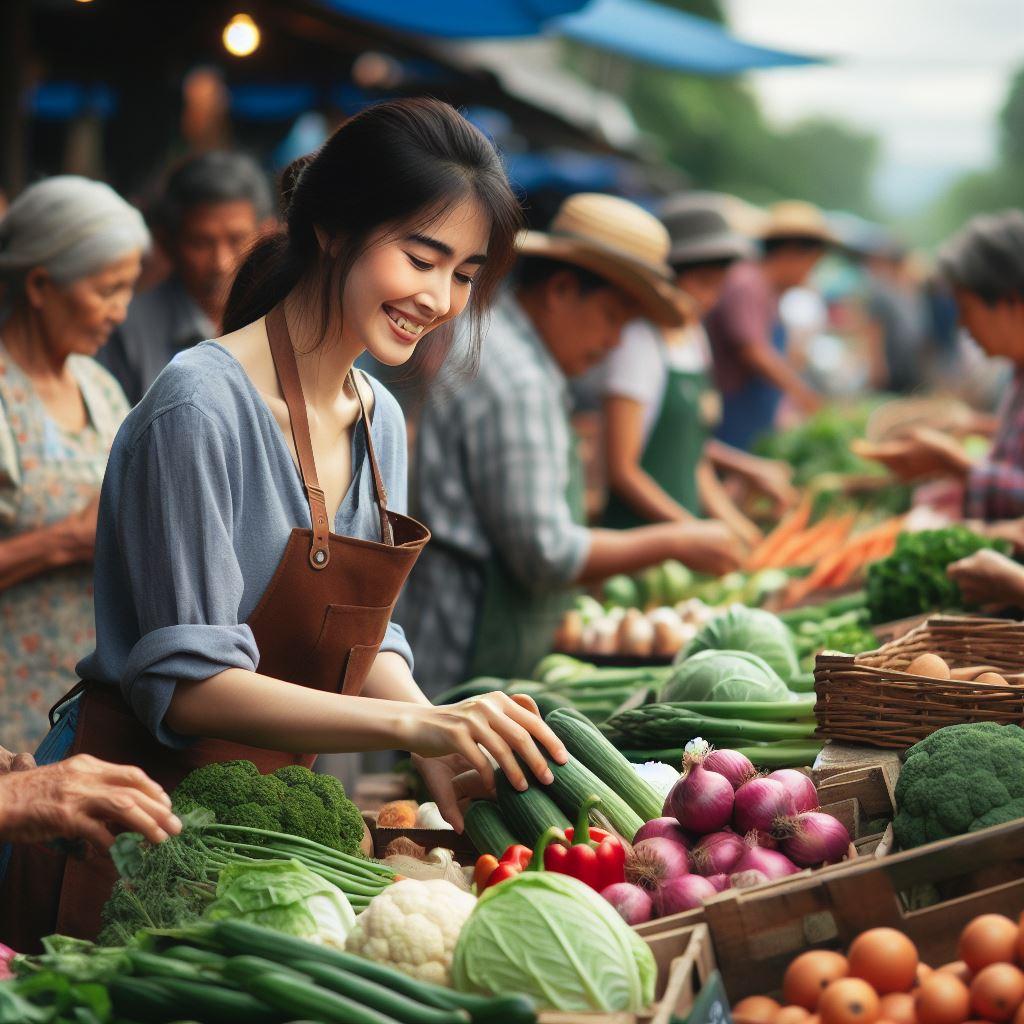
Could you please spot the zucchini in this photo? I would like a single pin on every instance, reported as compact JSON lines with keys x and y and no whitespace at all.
{"x":574,"y":782}
{"x":293,"y":995}
{"x":215,"y":1004}
{"x":378,"y":997}
{"x":530,"y":813}
{"x":486,"y":828}
{"x":586,"y":743}
{"x":471,"y":688}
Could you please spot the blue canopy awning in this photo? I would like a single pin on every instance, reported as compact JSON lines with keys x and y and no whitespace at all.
{"x":459,"y":19}
{"x":660,"y":35}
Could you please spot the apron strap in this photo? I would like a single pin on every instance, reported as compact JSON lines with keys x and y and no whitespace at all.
{"x":386,"y":534}
{"x":291,"y":387}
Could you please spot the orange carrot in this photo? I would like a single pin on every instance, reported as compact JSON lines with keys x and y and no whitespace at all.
{"x":791,"y":525}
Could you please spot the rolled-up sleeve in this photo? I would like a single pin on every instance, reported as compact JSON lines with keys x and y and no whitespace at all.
{"x":175,"y":529}
{"x":517,"y":459}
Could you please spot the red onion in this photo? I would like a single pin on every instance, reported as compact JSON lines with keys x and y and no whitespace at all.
{"x":720,"y":882}
{"x":758,"y":803}
{"x":717,"y":854}
{"x":653,"y":862}
{"x":732,"y":764}
{"x":664,"y":828}
{"x":799,"y":787}
{"x":747,"y":879}
{"x":634,"y":905}
{"x":6,"y":956}
{"x":814,"y":838}
{"x":701,"y":801}
{"x":770,"y":863}
{"x":683,"y":893}
{"x":763,"y":839}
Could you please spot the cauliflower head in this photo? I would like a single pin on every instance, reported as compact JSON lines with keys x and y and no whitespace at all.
{"x":960,"y":779}
{"x":413,"y":926}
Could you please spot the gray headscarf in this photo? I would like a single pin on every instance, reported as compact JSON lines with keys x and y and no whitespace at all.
{"x":70,"y":226}
{"x":987,"y":256}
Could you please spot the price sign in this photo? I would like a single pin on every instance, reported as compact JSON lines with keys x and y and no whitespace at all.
{"x":712,"y":1004}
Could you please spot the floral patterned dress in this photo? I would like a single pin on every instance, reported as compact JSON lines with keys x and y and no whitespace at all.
{"x":47,"y":474}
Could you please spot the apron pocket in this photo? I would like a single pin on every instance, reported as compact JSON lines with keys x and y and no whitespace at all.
{"x":344,"y":629}
{"x":360,"y":661}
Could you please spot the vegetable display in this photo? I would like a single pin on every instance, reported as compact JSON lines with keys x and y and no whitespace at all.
{"x":750,"y":630}
{"x":724,"y":675}
{"x":960,"y":779}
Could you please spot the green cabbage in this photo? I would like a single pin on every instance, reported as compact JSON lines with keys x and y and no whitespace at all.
{"x":725,"y":675}
{"x":551,"y":937}
{"x":752,"y":630}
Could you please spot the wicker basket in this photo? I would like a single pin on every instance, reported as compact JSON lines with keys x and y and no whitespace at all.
{"x":870,"y":698}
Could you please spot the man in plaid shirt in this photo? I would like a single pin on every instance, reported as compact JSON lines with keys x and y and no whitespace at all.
{"x":496,"y":478}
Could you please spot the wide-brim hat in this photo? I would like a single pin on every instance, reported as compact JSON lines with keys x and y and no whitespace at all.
{"x":619,"y":241}
{"x":798,"y":220}
{"x":700,"y":232}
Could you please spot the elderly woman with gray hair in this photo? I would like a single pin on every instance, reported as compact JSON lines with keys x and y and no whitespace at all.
{"x":70,"y":254}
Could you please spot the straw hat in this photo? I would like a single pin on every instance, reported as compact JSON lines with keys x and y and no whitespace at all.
{"x":700,"y":232}
{"x":616,"y":240}
{"x":796,"y":219}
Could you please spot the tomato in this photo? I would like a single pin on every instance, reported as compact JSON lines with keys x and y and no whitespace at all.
{"x":997,"y":991}
{"x":942,"y":999}
{"x":755,"y":1010}
{"x":989,"y":939}
{"x":809,"y":975}
{"x":792,"y":1015}
{"x":885,"y":958}
{"x":898,"y":1007}
{"x":849,"y":1001}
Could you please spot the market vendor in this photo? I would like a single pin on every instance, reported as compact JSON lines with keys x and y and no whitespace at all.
{"x":748,"y":339}
{"x":497,"y":478}
{"x":252,"y":540}
{"x":984,"y":263}
{"x":660,"y":404}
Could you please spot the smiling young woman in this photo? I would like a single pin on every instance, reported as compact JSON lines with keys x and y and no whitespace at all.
{"x":253,"y":510}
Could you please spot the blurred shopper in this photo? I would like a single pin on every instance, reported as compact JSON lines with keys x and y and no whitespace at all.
{"x":497,"y":477}
{"x":748,"y":342}
{"x":899,"y":318}
{"x":70,"y":253}
{"x":660,"y":404}
{"x":984,"y":263}
{"x":211,"y":211}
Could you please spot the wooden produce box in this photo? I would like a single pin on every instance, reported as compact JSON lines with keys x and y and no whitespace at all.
{"x":685,"y":961}
{"x":757,"y":932}
{"x":429,"y":838}
{"x":857,"y":798}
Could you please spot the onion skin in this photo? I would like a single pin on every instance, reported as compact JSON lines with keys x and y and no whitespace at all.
{"x":720,"y":882}
{"x":736,"y":767}
{"x":683,"y":893}
{"x":759,"y":803}
{"x":748,"y":879}
{"x":799,"y":787}
{"x":664,"y":828}
{"x":771,"y":863}
{"x":814,"y":838}
{"x":654,"y":862}
{"x":632,"y":903}
{"x":717,"y":853}
{"x":701,"y":801}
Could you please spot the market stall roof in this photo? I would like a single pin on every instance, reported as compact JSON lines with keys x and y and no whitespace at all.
{"x":641,"y":29}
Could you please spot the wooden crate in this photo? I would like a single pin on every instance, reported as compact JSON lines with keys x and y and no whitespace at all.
{"x":429,"y":838}
{"x":757,"y":932}
{"x":685,"y":961}
{"x":856,"y":798}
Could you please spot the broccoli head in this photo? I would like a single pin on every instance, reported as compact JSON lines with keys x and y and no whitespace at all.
{"x":960,"y":779}
{"x":293,"y":800}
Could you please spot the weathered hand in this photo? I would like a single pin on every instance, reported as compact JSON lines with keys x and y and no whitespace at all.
{"x":989,"y":578}
{"x":10,"y":762}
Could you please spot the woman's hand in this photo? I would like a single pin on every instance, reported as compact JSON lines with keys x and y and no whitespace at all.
{"x":452,"y":781}
{"x":707,"y":545}
{"x":509,"y":729}
{"x":925,"y":453}
{"x":989,"y":578}
{"x":774,"y":479}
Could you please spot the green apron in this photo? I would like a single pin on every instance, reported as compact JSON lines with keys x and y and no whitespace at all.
{"x":517,"y":626}
{"x":676,"y":445}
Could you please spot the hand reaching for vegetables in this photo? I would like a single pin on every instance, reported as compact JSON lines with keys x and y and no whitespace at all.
{"x":508,"y":728}
{"x":83,"y":798}
{"x":708,"y":546}
{"x":925,"y":453}
{"x":989,"y":578}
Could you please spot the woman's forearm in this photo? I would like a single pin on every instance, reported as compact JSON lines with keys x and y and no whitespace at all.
{"x":246,"y":707}
{"x":391,"y":679}
{"x":645,"y":496}
{"x":31,"y":554}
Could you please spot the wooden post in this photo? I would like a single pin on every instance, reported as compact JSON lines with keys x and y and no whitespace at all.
{"x":14,"y":55}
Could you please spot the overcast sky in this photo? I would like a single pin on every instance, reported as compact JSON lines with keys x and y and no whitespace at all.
{"x":928,"y":76}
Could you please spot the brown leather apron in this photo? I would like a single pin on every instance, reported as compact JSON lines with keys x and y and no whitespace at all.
{"x":319,"y":624}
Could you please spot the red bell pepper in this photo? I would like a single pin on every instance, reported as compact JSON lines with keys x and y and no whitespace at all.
{"x":594,"y":856}
{"x":490,"y":871}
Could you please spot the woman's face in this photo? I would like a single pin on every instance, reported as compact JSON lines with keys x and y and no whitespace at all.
{"x":403,"y":287}
{"x":998,"y":327}
{"x":77,"y":318}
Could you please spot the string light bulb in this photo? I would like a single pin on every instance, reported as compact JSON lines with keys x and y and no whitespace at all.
{"x":241,"y":36}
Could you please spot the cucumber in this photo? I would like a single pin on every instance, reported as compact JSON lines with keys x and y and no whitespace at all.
{"x":586,"y":743}
{"x":294,"y":995}
{"x":471,"y":688}
{"x":530,"y":813}
{"x":195,"y":955}
{"x":486,"y":828}
{"x":378,"y":997}
{"x":574,"y":782}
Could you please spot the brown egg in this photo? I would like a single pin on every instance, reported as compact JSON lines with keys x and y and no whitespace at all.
{"x":992,"y":677}
{"x":929,"y":665}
